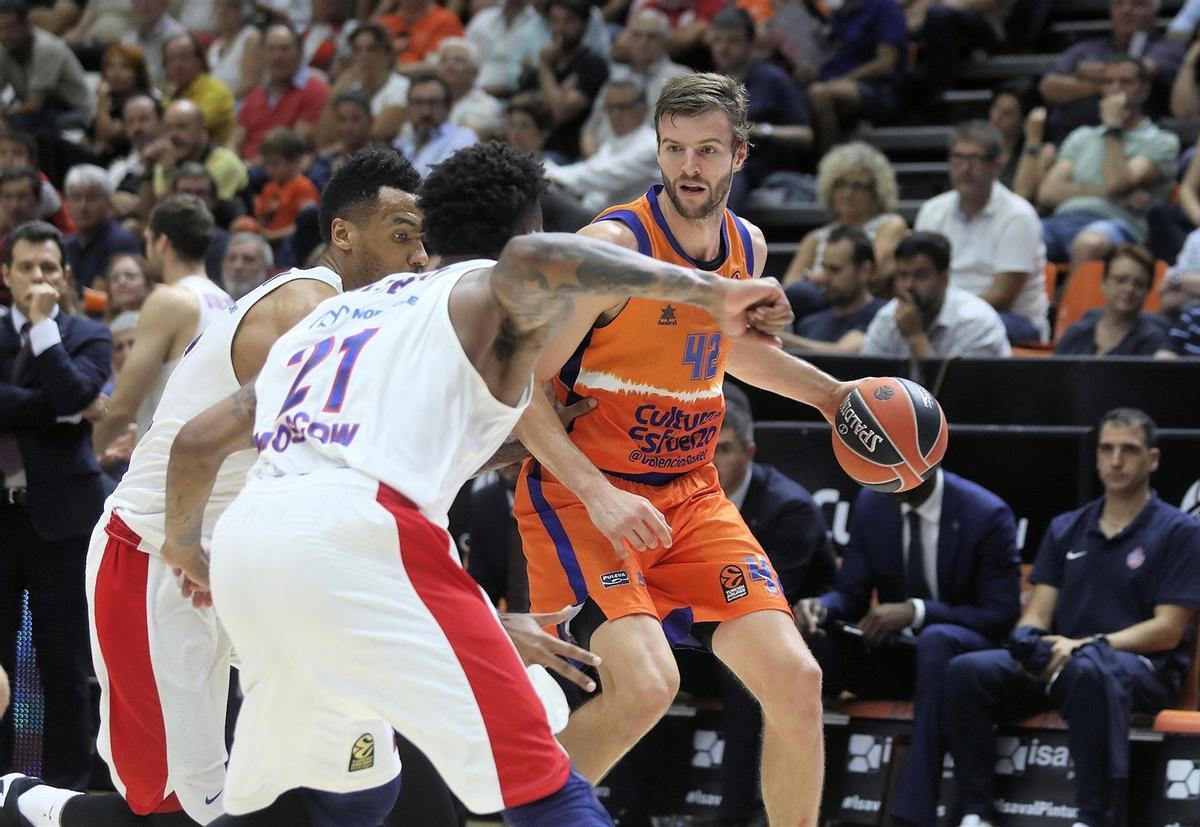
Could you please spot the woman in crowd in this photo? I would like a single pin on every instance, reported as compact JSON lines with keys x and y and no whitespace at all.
{"x":123,"y":74}
{"x":128,"y":281}
{"x":235,"y":56}
{"x":858,"y":185}
{"x":1119,"y":328}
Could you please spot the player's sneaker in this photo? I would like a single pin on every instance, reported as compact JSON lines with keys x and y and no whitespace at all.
{"x":11,"y":787}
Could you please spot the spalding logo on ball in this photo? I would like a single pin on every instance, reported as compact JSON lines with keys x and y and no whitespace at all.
{"x":889,"y":434}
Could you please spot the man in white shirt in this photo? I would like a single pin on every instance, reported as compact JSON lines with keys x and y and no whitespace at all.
{"x":930,"y":317}
{"x":626,"y":164}
{"x":644,"y":40}
{"x":995,"y":235}
{"x":504,"y":35}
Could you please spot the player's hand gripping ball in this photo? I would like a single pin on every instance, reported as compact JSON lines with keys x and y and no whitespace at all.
{"x":889,"y":434}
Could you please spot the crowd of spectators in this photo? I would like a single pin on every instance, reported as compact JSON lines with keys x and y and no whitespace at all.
{"x":230,"y":116}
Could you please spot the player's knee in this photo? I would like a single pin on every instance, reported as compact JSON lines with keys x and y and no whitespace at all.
{"x":791,"y":689}
{"x":644,"y":697}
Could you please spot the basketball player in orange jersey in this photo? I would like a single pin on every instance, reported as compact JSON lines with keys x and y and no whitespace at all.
{"x":623,"y":514}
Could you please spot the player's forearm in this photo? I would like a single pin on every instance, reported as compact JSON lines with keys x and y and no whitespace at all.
{"x":510,"y":451}
{"x":542,"y":433}
{"x":197,"y":453}
{"x":773,"y":370}
{"x":537,"y":277}
{"x":115,"y":423}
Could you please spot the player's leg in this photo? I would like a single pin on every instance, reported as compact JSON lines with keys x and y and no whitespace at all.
{"x":640,"y":680}
{"x":765,"y":651}
{"x":27,"y":802}
{"x":163,"y":669}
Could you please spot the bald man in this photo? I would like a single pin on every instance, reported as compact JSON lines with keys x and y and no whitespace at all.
{"x":185,"y":138}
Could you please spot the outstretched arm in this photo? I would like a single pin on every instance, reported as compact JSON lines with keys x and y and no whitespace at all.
{"x":196,"y":456}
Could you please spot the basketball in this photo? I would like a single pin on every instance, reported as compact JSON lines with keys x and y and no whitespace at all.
{"x":889,"y":434}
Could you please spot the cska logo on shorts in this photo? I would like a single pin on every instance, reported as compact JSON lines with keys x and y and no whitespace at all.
{"x":362,"y":754}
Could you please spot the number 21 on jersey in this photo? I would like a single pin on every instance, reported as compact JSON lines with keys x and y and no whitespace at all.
{"x":311,"y":357}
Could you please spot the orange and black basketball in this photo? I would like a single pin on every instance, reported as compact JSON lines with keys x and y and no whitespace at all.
{"x":889,"y":434}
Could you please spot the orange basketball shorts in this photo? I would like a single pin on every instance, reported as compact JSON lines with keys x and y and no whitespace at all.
{"x":714,"y":570}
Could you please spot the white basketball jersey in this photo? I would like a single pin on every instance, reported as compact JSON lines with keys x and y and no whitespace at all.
{"x":214,"y":302}
{"x":376,"y":380}
{"x":204,"y":377}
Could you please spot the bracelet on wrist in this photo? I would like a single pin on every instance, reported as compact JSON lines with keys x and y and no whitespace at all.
{"x":1114,"y":131}
{"x":1032,"y":149}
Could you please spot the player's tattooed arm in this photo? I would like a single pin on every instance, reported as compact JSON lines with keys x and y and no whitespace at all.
{"x":538,"y":277}
{"x":196,"y":456}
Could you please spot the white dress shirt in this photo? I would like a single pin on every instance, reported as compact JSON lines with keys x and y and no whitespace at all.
{"x":930,"y":514}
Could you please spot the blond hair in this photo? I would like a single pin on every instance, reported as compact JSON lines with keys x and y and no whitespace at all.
{"x":699,"y":94}
{"x":852,"y":156}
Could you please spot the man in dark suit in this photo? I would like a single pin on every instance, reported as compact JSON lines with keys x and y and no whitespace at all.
{"x":52,"y":367}
{"x":788,"y":525}
{"x":943,"y":561}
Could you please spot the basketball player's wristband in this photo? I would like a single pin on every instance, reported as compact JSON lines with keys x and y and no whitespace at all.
{"x":918,"y":613}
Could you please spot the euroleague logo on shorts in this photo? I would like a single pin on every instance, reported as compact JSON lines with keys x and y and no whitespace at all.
{"x":733,"y":581}
{"x":362,"y":754}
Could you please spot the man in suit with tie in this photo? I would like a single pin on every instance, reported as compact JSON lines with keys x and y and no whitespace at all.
{"x":942,"y":560}
{"x":788,"y":525}
{"x":52,"y":366}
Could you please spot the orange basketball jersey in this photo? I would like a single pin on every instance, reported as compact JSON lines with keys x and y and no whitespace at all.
{"x":656,"y":369}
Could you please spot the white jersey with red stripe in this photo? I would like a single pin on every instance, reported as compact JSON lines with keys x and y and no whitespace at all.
{"x":376,"y":380}
{"x":214,"y":304}
{"x":204,"y":377}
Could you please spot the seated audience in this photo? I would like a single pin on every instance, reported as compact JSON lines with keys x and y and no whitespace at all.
{"x":1184,"y":338}
{"x":371,"y":71}
{"x":20,"y":149}
{"x":152,"y":27}
{"x":248,"y":262}
{"x":291,"y":95}
{"x":185,"y":139}
{"x":326,"y":33}
{"x":98,"y":236}
{"x":142,"y":121}
{"x":457,"y":61}
{"x":431,"y":136}
{"x":122,"y":76}
{"x":929,"y":317}
{"x":416,"y":27}
{"x":1098,"y":205}
{"x":943,"y":564}
{"x":288,"y":191}
{"x":505,"y":35}
{"x":856,"y":183}
{"x":951,"y":31}
{"x":779,"y":121}
{"x":235,"y":55}
{"x":1120,"y":328}
{"x":626,"y":164}
{"x":128,"y":281}
{"x":787,"y":523}
{"x":527,"y":123}
{"x":1172,"y":222}
{"x":1181,"y":286}
{"x":568,"y":74}
{"x":864,"y":74}
{"x":844,"y":274}
{"x":646,"y":34}
{"x":114,"y":462}
{"x":1073,"y":88}
{"x":49,"y":89}
{"x":20,"y":197}
{"x":995,"y":235}
{"x":188,"y":78}
{"x":1115,"y":585}
{"x":353,"y":125}
{"x":1027,"y":155}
